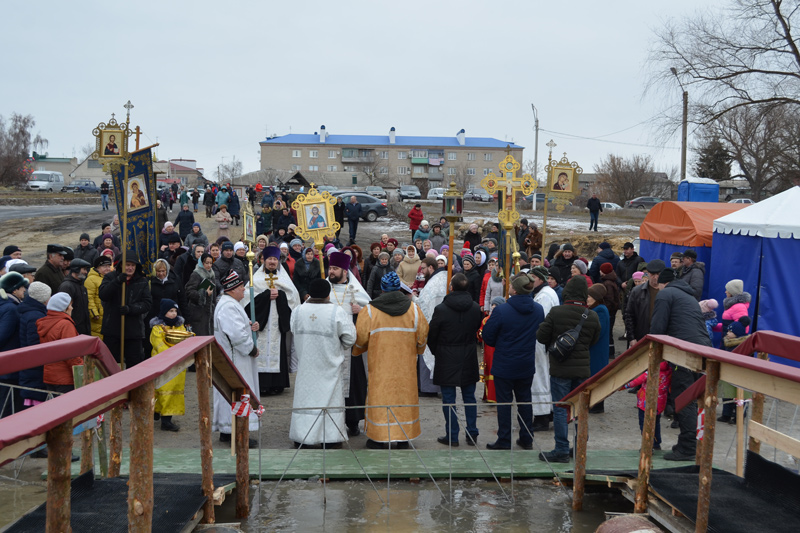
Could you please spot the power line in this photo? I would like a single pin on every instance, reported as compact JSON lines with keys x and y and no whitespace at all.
{"x":608,"y":141}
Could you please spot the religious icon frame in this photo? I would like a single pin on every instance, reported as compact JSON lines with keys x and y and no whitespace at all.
{"x":103,"y":133}
{"x":139,"y":181}
{"x":556,"y":179}
{"x":249,"y":225}
{"x":303,"y":205}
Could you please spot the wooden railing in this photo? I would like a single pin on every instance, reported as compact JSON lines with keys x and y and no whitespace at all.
{"x":52,"y":422}
{"x":744,"y":371}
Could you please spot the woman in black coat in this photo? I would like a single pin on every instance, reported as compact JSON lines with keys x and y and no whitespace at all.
{"x":306,"y":270}
{"x":451,"y":339}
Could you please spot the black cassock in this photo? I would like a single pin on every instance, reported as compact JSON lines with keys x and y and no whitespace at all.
{"x":358,"y":391}
{"x":274,"y":383}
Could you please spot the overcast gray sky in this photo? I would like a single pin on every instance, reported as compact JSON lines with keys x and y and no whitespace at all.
{"x":210,"y":79}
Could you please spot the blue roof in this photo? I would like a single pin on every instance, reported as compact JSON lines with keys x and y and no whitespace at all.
{"x":383,"y":140}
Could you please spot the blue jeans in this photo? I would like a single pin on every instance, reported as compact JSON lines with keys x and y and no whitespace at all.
{"x":104,"y":197}
{"x":657,"y":440}
{"x":560,"y":387}
{"x":593,"y":217}
{"x":506,"y":390}
{"x":451,"y":412}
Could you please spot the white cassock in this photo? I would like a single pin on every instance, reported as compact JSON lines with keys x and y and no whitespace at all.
{"x":540,"y":389}
{"x":269,"y":339}
{"x":431,"y":295}
{"x":232,"y":332}
{"x":323,"y":335}
{"x":342,"y":296}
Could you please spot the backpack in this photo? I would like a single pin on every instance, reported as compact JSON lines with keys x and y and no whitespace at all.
{"x":564,"y":345}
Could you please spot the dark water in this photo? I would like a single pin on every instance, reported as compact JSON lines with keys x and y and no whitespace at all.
{"x":477,"y":505}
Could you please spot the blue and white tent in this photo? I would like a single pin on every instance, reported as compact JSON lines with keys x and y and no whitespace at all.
{"x":761,"y":246}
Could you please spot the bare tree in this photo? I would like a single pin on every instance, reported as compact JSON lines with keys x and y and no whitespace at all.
{"x":229,"y":172}
{"x":621,"y":179}
{"x":16,"y":145}
{"x":462,"y":178}
{"x":374,"y":172}
{"x":740,"y":56}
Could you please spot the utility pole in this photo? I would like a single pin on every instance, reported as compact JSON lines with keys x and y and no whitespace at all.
{"x":685,"y":123}
{"x":535,"y":153}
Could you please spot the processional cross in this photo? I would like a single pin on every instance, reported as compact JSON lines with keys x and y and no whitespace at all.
{"x":270,"y":278}
{"x":510,"y":184}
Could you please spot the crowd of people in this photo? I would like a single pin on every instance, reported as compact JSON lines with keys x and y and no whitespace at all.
{"x":359,"y":327}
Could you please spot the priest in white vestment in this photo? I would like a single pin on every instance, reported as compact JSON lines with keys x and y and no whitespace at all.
{"x":540,"y":388}
{"x":431,"y":295}
{"x":348,"y":294}
{"x":323,"y":335}
{"x":234,"y":333}
{"x":274,"y":339}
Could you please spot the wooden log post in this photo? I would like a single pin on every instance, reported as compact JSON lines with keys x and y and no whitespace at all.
{"x":707,"y":457}
{"x":242,"y":463}
{"x":656,"y":355}
{"x":87,"y":447}
{"x":757,"y":415}
{"x":202,"y":361}
{"x":115,"y":442}
{"x":140,"y":484}
{"x":739,"y":433}
{"x":59,"y":459}
{"x":579,"y":481}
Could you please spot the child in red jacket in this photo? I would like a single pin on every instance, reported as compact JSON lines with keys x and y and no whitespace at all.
{"x":665,"y":379}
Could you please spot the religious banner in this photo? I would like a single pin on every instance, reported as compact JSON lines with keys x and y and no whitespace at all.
{"x":139,"y":193}
{"x":562,"y":180}
{"x":315,"y":218}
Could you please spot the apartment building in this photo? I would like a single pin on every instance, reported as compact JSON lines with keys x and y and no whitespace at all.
{"x":346,"y":160}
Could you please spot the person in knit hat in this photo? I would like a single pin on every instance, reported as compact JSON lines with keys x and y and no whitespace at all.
{"x":57,"y":325}
{"x":578,"y":268}
{"x":563,"y":262}
{"x":169,"y":397}
{"x":566,"y":375}
{"x":473,"y":277}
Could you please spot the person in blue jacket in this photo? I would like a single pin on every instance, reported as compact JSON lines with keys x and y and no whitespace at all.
{"x":12,"y":291}
{"x":511,"y":330}
{"x":598,"y":352}
{"x":32,"y":308}
{"x":353,"y":211}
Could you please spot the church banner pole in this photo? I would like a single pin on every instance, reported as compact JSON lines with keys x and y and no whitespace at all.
{"x":250,"y":256}
{"x":124,"y":261}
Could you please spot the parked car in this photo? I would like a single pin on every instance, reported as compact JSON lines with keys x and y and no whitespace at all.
{"x":372,"y":207}
{"x":409,"y":192}
{"x":478,"y":195}
{"x":81,"y":185}
{"x":741,"y":201}
{"x":437,"y":193}
{"x":330,"y":188}
{"x":528,"y":199}
{"x":45,"y":180}
{"x":610,"y":206}
{"x":376,"y":191}
{"x":643,"y":202}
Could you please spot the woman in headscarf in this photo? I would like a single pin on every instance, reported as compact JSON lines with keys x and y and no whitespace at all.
{"x":306,"y":270}
{"x":224,"y":220}
{"x":472,"y":238}
{"x":166,"y":234}
{"x":201,"y":294}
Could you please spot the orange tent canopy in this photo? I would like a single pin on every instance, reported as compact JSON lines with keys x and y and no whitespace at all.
{"x":684,"y":223}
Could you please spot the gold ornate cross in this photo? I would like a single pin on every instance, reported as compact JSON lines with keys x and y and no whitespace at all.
{"x":510,"y":184}
{"x":270,"y":278}
{"x":313,"y":317}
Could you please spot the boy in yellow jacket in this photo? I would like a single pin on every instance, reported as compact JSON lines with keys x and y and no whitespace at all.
{"x":169,"y":397}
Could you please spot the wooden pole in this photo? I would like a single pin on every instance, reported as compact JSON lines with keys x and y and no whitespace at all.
{"x":115,"y":442}
{"x":242,"y":464}
{"x":579,"y":481}
{"x":507,"y":262}
{"x":59,"y":458}
{"x":450,"y":257}
{"x":707,"y":457}
{"x":203,"y":366}
{"x":740,"y":434}
{"x":87,"y":448}
{"x":758,"y":412}
{"x":321,"y":262}
{"x":140,"y":484}
{"x":655,"y":355}
{"x":124,"y":233}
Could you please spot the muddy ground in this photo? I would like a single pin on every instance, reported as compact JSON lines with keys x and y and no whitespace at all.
{"x":617,"y":428}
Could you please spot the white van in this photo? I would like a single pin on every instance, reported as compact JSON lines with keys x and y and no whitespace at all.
{"x":45,"y":180}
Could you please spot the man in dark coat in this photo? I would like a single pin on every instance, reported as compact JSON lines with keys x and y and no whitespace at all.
{"x":604,"y":255}
{"x":451,"y":339}
{"x":353,"y":211}
{"x":511,"y":330}
{"x":184,"y":221}
{"x":73,"y":285}
{"x":564,"y":263}
{"x":677,"y":314}
{"x":338,"y":214}
{"x":85,"y":250}
{"x":693,"y":273}
{"x":51,"y":273}
{"x":226,"y":263}
{"x":567,"y":375}
{"x":595,"y":208}
{"x":641,"y":300}
{"x":129,"y":277}
{"x":522,"y":233}
{"x":208,"y":201}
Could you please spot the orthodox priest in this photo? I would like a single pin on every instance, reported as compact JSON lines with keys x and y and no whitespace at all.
{"x":348,"y":294}
{"x":540,"y":388}
{"x":323,"y":335}
{"x":431,"y":295}
{"x":233,"y":332}
{"x":394,"y":330}
{"x":275,"y":299}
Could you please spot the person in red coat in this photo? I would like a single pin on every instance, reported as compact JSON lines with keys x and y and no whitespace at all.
{"x":415,"y":216}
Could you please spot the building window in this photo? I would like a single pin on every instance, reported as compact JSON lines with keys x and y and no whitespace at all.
{"x":486,"y":171}
{"x":383,"y":170}
{"x":313,"y":167}
{"x":331,"y":168}
{"x":487,"y":157}
{"x":331,"y":154}
{"x":313,"y":154}
{"x":402,"y":170}
{"x":451,"y":156}
{"x":470,"y":172}
{"x":470,"y":156}
{"x":451,"y":171}
{"x":402,"y":155}
{"x":295,"y":167}
{"x":296,"y":153}
{"x":419,"y":170}
{"x":384,"y":155}
{"x":419,"y":153}
{"x":349,"y":168}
